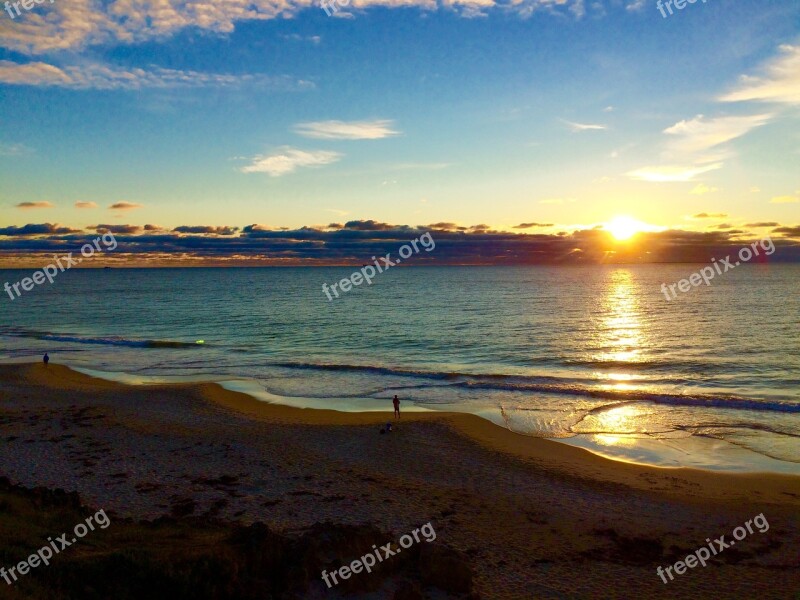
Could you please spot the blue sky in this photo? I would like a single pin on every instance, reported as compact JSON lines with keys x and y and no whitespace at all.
{"x":563,"y":114}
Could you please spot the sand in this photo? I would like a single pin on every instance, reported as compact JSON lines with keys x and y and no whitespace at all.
{"x":538,"y":519}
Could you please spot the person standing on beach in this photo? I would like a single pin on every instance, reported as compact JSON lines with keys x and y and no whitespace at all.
{"x":46,"y":359}
{"x":396,"y":402}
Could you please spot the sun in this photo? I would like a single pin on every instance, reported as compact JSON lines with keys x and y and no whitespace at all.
{"x":623,"y":228}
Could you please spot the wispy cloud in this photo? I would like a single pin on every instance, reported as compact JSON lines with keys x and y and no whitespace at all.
{"x":700,"y":134}
{"x":29,"y":205}
{"x":12,"y":150}
{"x":703,"y":142}
{"x":705,"y":215}
{"x":701,"y":188}
{"x":531,"y":225}
{"x":779,"y":82}
{"x":763,"y":224}
{"x":786,"y":199}
{"x":296,"y":37}
{"x":85,"y":205}
{"x":671,"y":173}
{"x":288,"y":160}
{"x":580,"y":127}
{"x":347,"y":130}
{"x":578,"y":8}
{"x":124,"y":206}
{"x":106,"y":77}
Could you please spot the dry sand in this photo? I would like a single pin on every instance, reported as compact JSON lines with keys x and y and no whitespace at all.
{"x":539,"y":519}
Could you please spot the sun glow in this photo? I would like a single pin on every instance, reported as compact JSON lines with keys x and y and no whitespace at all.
{"x":623,"y":228}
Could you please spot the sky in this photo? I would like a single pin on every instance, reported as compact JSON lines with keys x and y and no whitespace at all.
{"x":268,"y":130}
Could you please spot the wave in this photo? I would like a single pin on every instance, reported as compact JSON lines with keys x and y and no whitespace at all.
{"x":727,"y":401}
{"x":103,"y":341}
{"x":418,"y":373}
{"x":578,"y":386}
{"x":561,"y":386}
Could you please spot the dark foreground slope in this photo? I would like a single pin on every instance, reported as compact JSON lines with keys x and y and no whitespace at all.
{"x":194,"y":557}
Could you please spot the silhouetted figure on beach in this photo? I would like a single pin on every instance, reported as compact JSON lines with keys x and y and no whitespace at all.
{"x":46,"y":359}
{"x":396,"y":402}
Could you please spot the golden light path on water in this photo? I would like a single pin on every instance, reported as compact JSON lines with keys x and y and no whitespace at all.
{"x":621,"y":328}
{"x":623,"y":337}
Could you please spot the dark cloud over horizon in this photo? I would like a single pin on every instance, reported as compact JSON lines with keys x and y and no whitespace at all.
{"x":221,"y":230}
{"x":531,"y":225}
{"x":356,"y":242}
{"x":36,"y":229}
{"x":115,"y":228}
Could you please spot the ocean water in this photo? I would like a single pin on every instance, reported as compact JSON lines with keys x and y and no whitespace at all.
{"x":591,"y":356}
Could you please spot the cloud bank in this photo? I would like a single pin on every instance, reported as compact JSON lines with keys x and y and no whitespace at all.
{"x":77,"y":24}
{"x":355,"y":242}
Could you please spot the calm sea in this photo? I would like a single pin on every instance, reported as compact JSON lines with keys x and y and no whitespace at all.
{"x":593,"y":356}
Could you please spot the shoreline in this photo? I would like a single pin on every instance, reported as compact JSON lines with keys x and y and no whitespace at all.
{"x":628,"y":449}
{"x":544,"y":453}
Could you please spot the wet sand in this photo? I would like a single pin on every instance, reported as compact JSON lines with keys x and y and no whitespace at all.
{"x":537,"y":518}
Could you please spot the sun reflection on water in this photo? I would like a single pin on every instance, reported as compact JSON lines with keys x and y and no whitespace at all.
{"x":621,"y":328}
{"x":621,"y":339}
{"x":612,"y":424}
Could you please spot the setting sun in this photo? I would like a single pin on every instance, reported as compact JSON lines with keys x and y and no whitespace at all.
{"x":623,"y":228}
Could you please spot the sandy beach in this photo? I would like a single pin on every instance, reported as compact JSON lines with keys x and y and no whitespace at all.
{"x":536,"y":518}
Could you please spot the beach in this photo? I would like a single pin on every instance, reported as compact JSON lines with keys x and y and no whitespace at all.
{"x":536,"y":518}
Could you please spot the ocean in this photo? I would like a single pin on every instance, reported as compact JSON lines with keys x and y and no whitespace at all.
{"x":593,"y":356}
